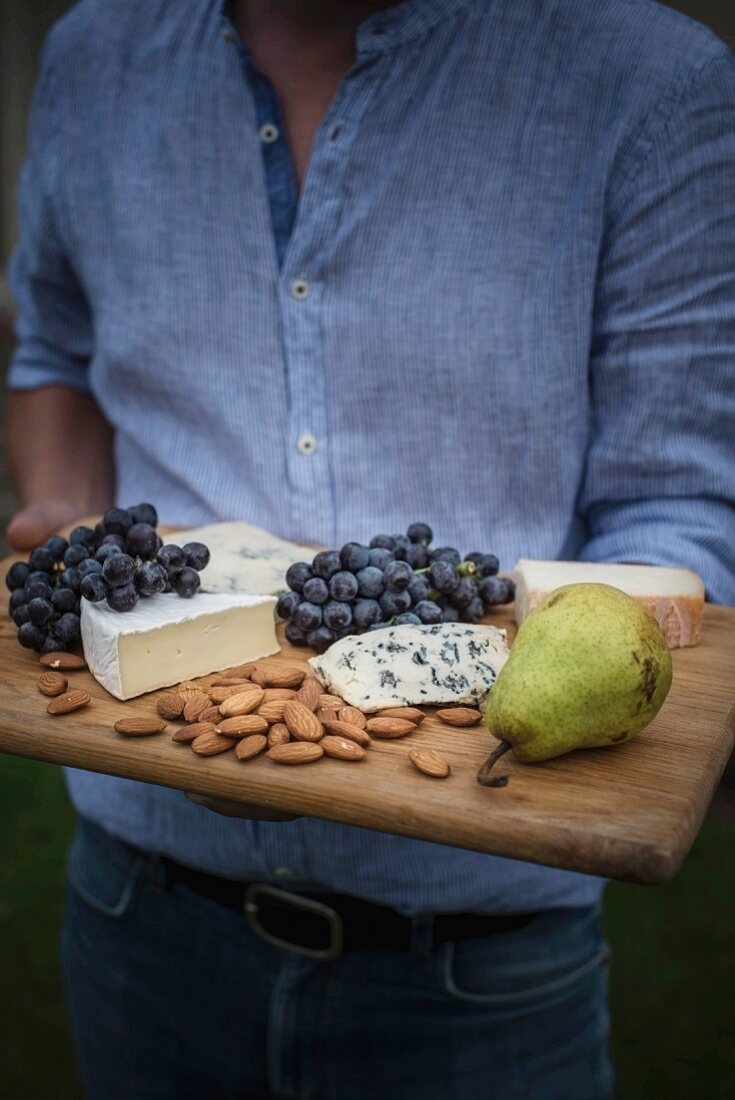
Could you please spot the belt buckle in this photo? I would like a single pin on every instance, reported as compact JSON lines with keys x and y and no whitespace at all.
{"x":261,"y":891}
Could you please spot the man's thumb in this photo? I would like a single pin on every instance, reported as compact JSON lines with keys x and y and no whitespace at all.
{"x":33,"y":524}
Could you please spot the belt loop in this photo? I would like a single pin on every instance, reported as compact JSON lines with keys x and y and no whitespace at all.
{"x":422,"y":934}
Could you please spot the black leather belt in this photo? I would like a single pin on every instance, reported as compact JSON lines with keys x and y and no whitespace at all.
{"x":322,"y":926}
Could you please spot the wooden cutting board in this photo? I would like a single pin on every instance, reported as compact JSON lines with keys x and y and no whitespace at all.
{"x":630,"y":812}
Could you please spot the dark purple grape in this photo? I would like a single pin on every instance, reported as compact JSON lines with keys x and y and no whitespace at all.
{"x":365,"y":613}
{"x":38,"y":589}
{"x":65,"y":599}
{"x":31,"y":636}
{"x":407,"y":618}
{"x":428,"y":612}
{"x":475,"y":556}
{"x":53,"y":645}
{"x":395,"y":603}
{"x":114,"y":540}
{"x":294,"y":635}
{"x":297,"y":575}
{"x":382,"y":542}
{"x":336,"y":615}
{"x":89,"y":565}
{"x":144,"y":513}
{"x":450,"y":614}
{"x":379,"y":626}
{"x":316,"y":590}
{"x":326,"y":563}
{"x":418,"y":589}
{"x":69,"y":578}
{"x":56,"y":546}
{"x":17,"y":575}
{"x":464,"y":593}
{"x":17,"y":599}
{"x":380,"y":556}
{"x":445,"y":553}
{"x":186,"y":582}
{"x":417,"y":555}
{"x":41,"y":560}
{"x":117,"y":521}
{"x":488,"y":566}
{"x":287,"y":604}
{"x":443,"y":576}
{"x":197,"y":555}
{"x":420,"y":533}
{"x":106,"y":550}
{"x":66,"y":629}
{"x":401,"y":548}
{"x":370,"y":582}
{"x":118,"y":570}
{"x":123,"y":598}
{"x":473,"y":612}
{"x":99,"y":533}
{"x":511,"y":589}
{"x":171,"y":557}
{"x":354,"y":557}
{"x":494,"y":590}
{"x":321,"y":639}
{"x":19,"y":615}
{"x":94,"y":587}
{"x":345,"y":631}
{"x":75,"y":554}
{"x":82,"y":536}
{"x":397,"y":576}
{"x":141,"y":541}
{"x":40,"y":611}
{"x":150,"y":578}
{"x":343,"y":586}
{"x":307,"y":616}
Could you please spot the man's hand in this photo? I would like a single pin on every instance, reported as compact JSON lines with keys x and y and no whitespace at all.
{"x":230,"y":808}
{"x":33,"y":524}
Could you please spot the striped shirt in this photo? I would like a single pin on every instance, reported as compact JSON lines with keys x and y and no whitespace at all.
{"x":504,"y":303}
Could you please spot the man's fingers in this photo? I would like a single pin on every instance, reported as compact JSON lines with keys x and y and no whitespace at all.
{"x":231,"y":808}
{"x":33,"y":524}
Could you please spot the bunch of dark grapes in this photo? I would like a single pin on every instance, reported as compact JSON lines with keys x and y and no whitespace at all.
{"x":396,"y":579}
{"x":119,"y":560}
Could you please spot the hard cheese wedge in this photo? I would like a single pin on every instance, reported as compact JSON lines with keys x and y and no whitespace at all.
{"x":244,"y":558}
{"x":674,"y":597}
{"x":402,"y":665}
{"x":168,"y":639}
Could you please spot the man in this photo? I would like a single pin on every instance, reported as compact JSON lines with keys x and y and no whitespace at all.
{"x":332,"y":268}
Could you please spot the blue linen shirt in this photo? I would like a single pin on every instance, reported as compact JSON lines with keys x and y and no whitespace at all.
{"x":504,"y":304}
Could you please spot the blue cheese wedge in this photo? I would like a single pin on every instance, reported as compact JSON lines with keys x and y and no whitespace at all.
{"x":411,"y":665}
{"x":244,"y":558}
{"x":167,"y":639}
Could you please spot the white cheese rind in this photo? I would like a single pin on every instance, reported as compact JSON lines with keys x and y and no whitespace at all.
{"x":244,"y":558}
{"x":413,"y":665}
{"x":673,"y":597}
{"x":168,"y":639}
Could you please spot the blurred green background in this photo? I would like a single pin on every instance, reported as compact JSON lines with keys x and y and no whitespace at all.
{"x":673,"y":969}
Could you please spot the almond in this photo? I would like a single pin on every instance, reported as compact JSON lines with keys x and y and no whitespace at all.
{"x":390,"y":727}
{"x":242,"y":725}
{"x":302,"y":724}
{"x":230,"y":681}
{"x":211,"y":743}
{"x":278,"y":676}
{"x":331,"y":702}
{"x":250,"y":746}
{"x":52,"y":683}
{"x":243,"y":671}
{"x":272,"y":712}
{"x":243,"y":702}
{"x":67,"y":662}
{"x":310,"y":693}
{"x":276,"y":695}
{"x":460,"y":716}
{"x":325,"y":714}
{"x":411,"y":714}
{"x":140,"y":727}
{"x":345,"y":729}
{"x":210,"y":714}
{"x":295,"y":752}
{"x":195,"y":705}
{"x":68,"y":702}
{"x":219,"y":694}
{"x":429,"y":762}
{"x":171,"y":705}
{"x":185,"y":734}
{"x":352,"y":716}
{"x":342,"y":748}
{"x":278,"y":734}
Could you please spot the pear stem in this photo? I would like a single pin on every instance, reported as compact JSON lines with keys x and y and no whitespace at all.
{"x":483,"y":776}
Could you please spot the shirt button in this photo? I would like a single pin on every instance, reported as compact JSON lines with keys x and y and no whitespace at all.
{"x":283,"y":872}
{"x":269,"y":133}
{"x":227,"y":35}
{"x":300,"y":289}
{"x":306,"y":444}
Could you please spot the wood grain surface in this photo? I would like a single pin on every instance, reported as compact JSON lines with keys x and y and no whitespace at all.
{"x":629,"y":812}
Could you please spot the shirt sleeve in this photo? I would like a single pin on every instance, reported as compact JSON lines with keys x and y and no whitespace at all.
{"x":659,"y":485}
{"x":53,"y":328}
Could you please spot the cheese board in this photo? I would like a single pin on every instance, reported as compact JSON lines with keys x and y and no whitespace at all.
{"x":631,"y":812}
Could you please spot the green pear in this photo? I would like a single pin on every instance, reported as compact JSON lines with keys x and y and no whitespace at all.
{"x":589,"y":667}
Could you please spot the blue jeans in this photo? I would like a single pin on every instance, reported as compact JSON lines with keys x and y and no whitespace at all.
{"x":174,"y":997}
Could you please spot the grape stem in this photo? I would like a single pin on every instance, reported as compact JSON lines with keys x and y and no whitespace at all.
{"x":466,"y":568}
{"x":483,"y":776}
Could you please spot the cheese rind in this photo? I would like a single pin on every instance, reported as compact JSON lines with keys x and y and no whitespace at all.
{"x":673,"y":597}
{"x":168,"y":639}
{"x":410,"y":665}
{"x":244,"y":558}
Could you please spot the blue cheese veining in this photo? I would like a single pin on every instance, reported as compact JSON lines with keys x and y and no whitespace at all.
{"x":411,"y":665}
